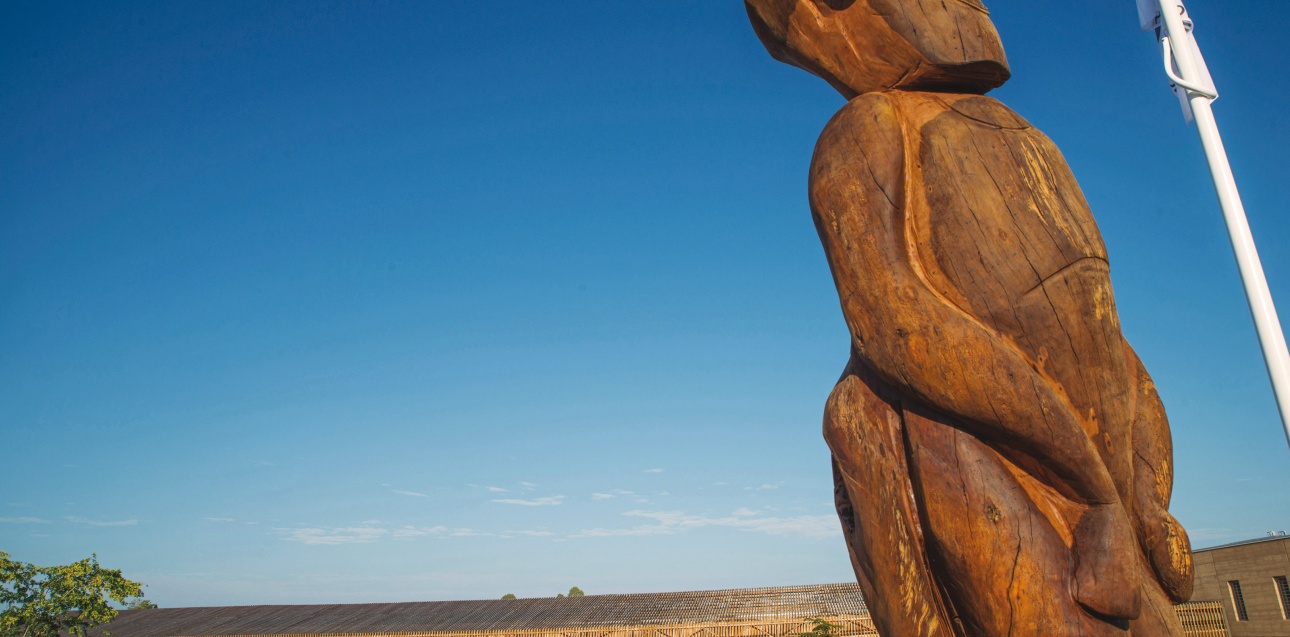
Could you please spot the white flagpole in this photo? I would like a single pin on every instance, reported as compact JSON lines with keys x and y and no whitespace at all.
{"x":1192,"y":81}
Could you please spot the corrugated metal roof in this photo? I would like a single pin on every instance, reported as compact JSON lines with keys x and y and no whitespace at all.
{"x":640,"y":609}
{"x":1270,"y":538}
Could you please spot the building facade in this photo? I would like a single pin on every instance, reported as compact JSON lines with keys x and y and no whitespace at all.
{"x":1249,"y":580}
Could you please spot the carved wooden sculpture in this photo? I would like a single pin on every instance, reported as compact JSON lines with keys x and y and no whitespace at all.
{"x":1002,"y":462}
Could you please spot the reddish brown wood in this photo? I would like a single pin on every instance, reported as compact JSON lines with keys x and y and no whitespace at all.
{"x":1002,"y":461}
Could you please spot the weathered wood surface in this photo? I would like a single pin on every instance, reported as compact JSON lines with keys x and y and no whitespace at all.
{"x":1003,"y":463}
{"x":941,"y":45}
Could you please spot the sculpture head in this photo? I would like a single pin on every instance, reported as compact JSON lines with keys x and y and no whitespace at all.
{"x":860,"y":46}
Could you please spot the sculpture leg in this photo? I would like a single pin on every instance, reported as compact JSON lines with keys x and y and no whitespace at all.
{"x":1000,"y":549}
{"x":1158,"y":618}
{"x":1072,"y":332}
{"x":875,"y":504}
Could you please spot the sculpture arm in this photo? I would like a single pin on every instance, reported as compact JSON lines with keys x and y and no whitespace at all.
{"x":1162,"y":538}
{"x":913,"y":337}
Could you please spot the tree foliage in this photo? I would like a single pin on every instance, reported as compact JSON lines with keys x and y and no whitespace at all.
{"x":822,"y":628}
{"x":508,"y":596}
{"x":38,"y":601}
{"x":573,"y":592}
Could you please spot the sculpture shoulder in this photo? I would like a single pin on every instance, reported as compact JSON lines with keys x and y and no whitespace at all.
{"x":872,"y":118}
{"x":893,"y":117}
{"x":878,"y":108}
{"x":861,"y":148}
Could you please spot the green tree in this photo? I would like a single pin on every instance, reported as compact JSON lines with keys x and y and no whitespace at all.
{"x":576,"y":592}
{"x":822,"y":628}
{"x":44,"y":601}
{"x":508,"y":596}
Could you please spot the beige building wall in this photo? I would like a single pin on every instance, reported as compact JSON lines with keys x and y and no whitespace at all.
{"x":1255,"y":565}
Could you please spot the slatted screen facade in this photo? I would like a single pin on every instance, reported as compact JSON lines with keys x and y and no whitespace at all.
{"x":773,"y":612}
{"x":749,"y":612}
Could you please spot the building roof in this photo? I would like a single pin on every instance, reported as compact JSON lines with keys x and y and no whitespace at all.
{"x":1270,"y":538}
{"x":641,"y":609}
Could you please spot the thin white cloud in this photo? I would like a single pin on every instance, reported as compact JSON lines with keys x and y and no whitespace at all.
{"x":671,"y":522}
{"x":654,"y":470}
{"x":528,"y":486}
{"x":374,"y":531}
{"x":415,"y":494}
{"x":24,"y":520}
{"x":535,"y":502}
{"x":332,"y":537}
{"x":419,"y":531}
{"x":80,"y":520}
{"x":495,"y":489}
{"x":602,"y":496}
{"x":219,"y":519}
{"x":665,"y":518}
{"x":1209,"y":534}
{"x":635,"y":531}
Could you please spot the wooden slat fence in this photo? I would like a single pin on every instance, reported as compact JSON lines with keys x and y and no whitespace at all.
{"x":765,"y":612}
{"x":1202,"y":619}
{"x":844,"y":627}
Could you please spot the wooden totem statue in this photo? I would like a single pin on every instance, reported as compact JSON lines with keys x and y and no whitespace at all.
{"x":1002,"y":462}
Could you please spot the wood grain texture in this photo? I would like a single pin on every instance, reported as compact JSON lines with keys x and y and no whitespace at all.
{"x":1002,"y":461}
{"x":925,"y":44}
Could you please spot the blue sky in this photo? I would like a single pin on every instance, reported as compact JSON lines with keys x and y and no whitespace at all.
{"x":326,"y":302}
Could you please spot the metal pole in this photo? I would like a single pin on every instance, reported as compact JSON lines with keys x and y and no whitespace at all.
{"x":1257,"y":293}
